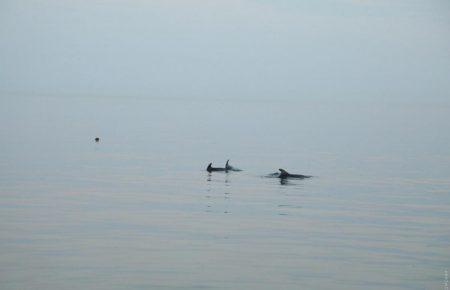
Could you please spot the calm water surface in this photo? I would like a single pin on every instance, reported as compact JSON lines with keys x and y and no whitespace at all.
{"x":138,"y":211}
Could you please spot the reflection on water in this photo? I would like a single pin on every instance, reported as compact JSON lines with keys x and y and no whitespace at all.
{"x":135,"y":212}
{"x":284,"y":181}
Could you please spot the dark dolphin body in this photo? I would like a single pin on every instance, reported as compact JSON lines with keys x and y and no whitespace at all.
{"x":228,"y":167}
{"x":211,"y":169}
{"x":284,"y":174}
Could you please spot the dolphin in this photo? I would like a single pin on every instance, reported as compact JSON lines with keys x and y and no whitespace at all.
{"x":228,"y":167}
{"x":211,"y":169}
{"x":284,"y":174}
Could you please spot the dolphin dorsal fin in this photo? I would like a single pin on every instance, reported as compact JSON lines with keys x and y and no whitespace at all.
{"x":226,"y":165}
{"x":283,"y":171}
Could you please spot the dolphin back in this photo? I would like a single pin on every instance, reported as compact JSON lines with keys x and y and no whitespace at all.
{"x":283,"y":171}
{"x":285,"y":174}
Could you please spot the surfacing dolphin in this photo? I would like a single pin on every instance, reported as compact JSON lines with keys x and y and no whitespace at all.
{"x":284,"y":174}
{"x":211,"y":169}
{"x":228,"y":167}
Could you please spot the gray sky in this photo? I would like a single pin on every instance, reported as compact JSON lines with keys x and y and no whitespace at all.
{"x":328,"y":49}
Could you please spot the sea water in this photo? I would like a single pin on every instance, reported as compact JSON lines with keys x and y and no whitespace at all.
{"x":138,"y":210}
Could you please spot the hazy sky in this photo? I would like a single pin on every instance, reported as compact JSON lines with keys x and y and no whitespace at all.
{"x":336,"y":49}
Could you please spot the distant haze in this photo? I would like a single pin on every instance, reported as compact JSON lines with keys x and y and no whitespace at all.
{"x":329,"y":49}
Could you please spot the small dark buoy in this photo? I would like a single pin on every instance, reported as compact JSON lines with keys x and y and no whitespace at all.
{"x":97,"y":139}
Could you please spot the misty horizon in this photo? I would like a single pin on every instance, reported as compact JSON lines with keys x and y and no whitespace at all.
{"x":227,"y":49}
